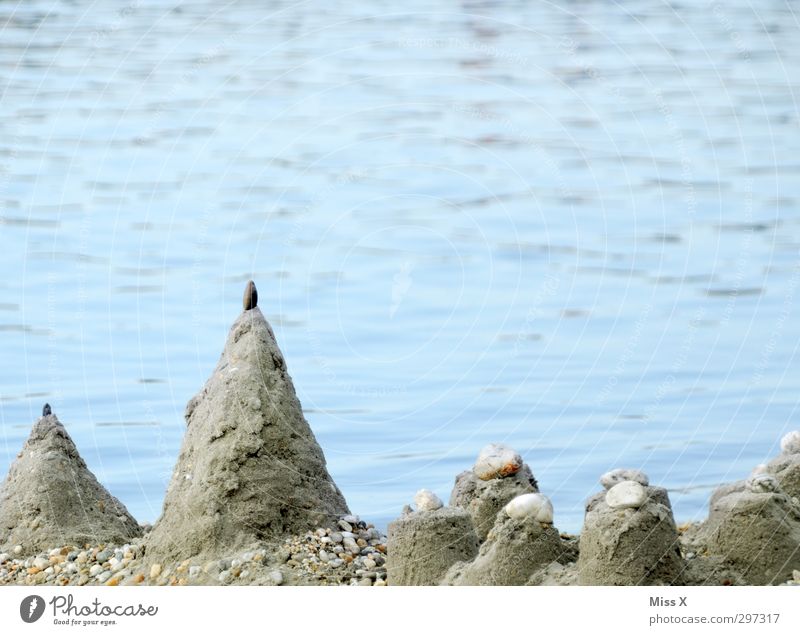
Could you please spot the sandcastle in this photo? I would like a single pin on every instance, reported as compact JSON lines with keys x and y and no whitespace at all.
{"x":629,"y":537}
{"x":250,"y":468}
{"x":424,"y":543}
{"x":252,"y":480}
{"x":50,"y":497}
{"x":755,"y":528}
{"x":522,"y":542}
{"x":499,"y":475}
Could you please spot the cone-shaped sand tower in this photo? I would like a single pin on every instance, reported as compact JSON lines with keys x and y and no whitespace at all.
{"x":250,"y":468}
{"x":51,"y":499}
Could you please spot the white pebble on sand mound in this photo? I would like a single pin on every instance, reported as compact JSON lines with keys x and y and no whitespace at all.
{"x":626,"y":494}
{"x":536,"y":506}
{"x":427,"y":501}
{"x":497,"y":460}
{"x":614,"y":477}
{"x":763,"y":483}
{"x":790,"y":443}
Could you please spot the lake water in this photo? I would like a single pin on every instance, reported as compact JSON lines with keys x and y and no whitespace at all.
{"x":574,"y":229}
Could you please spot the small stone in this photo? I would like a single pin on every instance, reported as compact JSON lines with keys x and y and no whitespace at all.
{"x":324,"y":555}
{"x":212,"y":567}
{"x":536,"y":506}
{"x":763,"y":483}
{"x":344,"y":525}
{"x":336,"y":563}
{"x":497,"y":460}
{"x":18,"y":550}
{"x":337,"y":537}
{"x":379,"y":582}
{"x":103,"y":557}
{"x":625,"y":495}
{"x":41,"y":563}
{"x":4,"y":557}
{"x":194,"y":571}
{"x":155,"y":571}
{"x":55,"y":552}
{"x":612,"y":478}
{"x":276,"y":577}
{"x":95,"y":570}
{"x":790,"y":443}
{"x":427,"y":501}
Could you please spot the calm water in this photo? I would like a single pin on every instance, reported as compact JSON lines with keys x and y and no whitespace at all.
{"x":573,"y":229}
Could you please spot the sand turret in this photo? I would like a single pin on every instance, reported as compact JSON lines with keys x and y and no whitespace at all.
{"x":50,"y":497}
{"x":250,"y":468}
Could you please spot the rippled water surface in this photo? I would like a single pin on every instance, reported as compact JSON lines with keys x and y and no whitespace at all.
{"x":573,"y":228}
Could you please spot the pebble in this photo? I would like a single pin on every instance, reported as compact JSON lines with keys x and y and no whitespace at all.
{"x":763,"y":483}
{"x":627,"y":494}
{"x":276,"y":577}
{"x":427,"y":501}
{"x":612,"y":478}
{"x":337,"y":537}
{"x":18,"y":550}
{"x":313,"y":556}
{"x":790,"y":443}
{"x":497,"y":460}
{"x":536,"y":506}
{"x":344,"y":525}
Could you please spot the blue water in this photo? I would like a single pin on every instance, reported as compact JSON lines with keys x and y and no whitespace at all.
{"x":574,"y":229}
